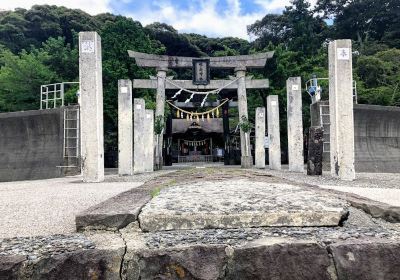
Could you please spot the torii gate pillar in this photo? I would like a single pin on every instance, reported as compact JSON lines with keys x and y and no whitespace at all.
{"x":160,"y":105}
{"x":246,"y":159}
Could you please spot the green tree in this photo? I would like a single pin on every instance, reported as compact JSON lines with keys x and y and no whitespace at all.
{"x":298,"y":28}
{"x":118,"y":37}
{"x":379,"y":78}
{"x":62,"y":58}
{"x":364,"y":21}
{"x":20,"y":80}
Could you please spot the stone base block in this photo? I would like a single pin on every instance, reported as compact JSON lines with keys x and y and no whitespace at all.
{"x":247,"y":161}
{"x":367,"y":260}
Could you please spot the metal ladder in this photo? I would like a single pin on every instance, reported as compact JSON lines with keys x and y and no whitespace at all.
{"x":325,"y":123}
{"x":71,"y":146}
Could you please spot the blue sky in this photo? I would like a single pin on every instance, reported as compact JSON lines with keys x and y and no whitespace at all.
{"x":214,"y":18}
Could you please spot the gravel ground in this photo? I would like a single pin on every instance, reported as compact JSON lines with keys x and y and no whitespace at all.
{"x":44,"y":207}
{"x":383,"y":187}
{"x":389,"y":196}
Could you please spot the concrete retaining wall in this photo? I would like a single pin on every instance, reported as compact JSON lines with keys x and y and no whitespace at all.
{"x":31,"y":145}
{"x":376,"y":135}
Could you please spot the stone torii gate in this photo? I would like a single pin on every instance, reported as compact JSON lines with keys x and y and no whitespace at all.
{"x":240,"y":64}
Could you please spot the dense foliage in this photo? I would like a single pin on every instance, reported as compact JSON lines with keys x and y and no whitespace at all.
{"x":39,"y":46}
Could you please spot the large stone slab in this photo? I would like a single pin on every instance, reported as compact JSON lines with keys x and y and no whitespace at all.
{"x":114,"y":213}
{"x":281,"y":260}
{"x":367,"y":260}
{"x":237,"y":204}
{"x":62,"y":257}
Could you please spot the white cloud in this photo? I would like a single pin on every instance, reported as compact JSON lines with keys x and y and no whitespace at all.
{"x":92,"y":7}
{"x":277,"y":5}
{"x":202,"y":19}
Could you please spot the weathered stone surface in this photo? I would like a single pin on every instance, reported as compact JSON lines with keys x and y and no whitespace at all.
{"x":366,"y":260}
{"x":149,"y":136}
{"x":125,"y":128}
{"x":289,"y":261}
{"x":214,"y":84}
{"x":341,"y":109}
{"x":91,"y":102}
{"x":274,"y":151}
{"x":138,"y":136}
{"x":260,"y":137}
{"x":246,"y":157}
{"x":10,"y":265}
{"x":165,"y":61}
{"x":195,"y":262}
{"x":84,"y":264}
{"x":295,"y":124}
{"x":62,"y":257}
{"x":239,"y":203}
{"x":315,"y":151}
{"x":115,"y":212}
{"x":160,"y":106}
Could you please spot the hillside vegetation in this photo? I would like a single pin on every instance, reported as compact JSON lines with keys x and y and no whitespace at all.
{"x":39,"y":46}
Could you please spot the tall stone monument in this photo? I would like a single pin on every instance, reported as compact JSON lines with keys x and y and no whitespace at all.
{"x":138,"y":135}
{"x":160,"y":105}
{"x":295,"y":124}
{"x":149,"y":141}
{"x":260,"y":137}
{"x":125,"y":128}
{"x":274,"y":132}
{"x":341,"y":109}
{"x":91,"y":92}
{"x":246,"y":159}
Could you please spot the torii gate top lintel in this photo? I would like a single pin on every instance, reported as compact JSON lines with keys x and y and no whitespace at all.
{"x":223,"y":62}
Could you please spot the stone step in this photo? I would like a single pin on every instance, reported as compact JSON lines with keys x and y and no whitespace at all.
{"x":239,"y":204}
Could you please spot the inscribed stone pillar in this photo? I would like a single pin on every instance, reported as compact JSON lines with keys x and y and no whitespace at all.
{"x":148,"y":133}
{"x":246,"y":159}
{"x":160,"y":104}
{"x":274,"y":132}
{"x":295,"y":124}
{"x":91,"y":91}
{"x":341,"y":109}
{"x":138,"y":135}
{"x":260,"y":137}
{"x":125,"y":128}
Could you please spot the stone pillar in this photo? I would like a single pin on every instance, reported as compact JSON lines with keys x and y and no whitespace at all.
{"x":260,"y":137}
{"x":246,"y":159}
{"x":125,"y":128}
{"x":341,"y":109}
{"x":225,"y":123}
{"x":91,"y":91}
{"x":274,"y":132}
{"x":160,"y":105}
{"x":148,"y":133}
{"x":315,"y":150}
{"x":138,"y":135}
{"x":168,"y":141}
{"x":295,"y":124}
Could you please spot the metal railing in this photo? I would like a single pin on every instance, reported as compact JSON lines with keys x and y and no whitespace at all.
{"x":52,"y":95}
